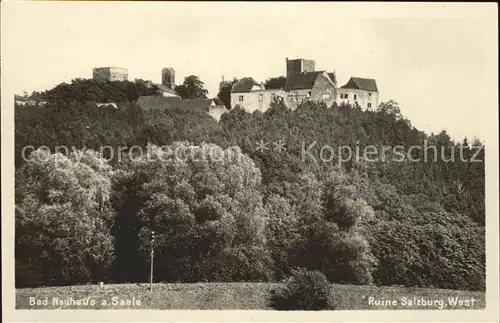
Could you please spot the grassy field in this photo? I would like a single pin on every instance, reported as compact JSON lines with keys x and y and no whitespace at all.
{"x":249,"y":296}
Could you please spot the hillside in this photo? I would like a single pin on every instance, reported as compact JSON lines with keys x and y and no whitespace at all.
{"x":387,"y":222}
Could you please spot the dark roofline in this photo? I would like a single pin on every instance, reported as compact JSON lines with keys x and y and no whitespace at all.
{"x":292,"y":85}
{"x":241,"y":86}
{"x":359,"y":83}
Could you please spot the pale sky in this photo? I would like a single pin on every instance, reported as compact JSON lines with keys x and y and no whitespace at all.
{"x":438,"y":62}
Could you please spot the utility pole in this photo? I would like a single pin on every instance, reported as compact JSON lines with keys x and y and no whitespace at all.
{"x":152,"y":258}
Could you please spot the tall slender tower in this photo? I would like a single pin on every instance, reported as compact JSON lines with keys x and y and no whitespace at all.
{"x":168,"y":77}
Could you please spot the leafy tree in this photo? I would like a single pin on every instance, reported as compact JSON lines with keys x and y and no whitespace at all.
{"x":192,"y":88}
{"x":207,"y":212}
{"x":340,"y":250}
{"x":78,"y":125}
{"x":63,"y":218}
{"x":275,"y":83}
{"x":282,"y":233}
{"x":390,"y":107}
{"x":225,"y":93}
{"x":83,"y":90}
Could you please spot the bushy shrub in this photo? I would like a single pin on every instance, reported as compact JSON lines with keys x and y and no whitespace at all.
{"x":304,"y":290}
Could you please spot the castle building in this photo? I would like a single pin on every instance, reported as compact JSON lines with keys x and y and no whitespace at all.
{"x":213,"y":107}
{"x":167,"y":91}
{"x":171,"y":100}
{"x":167,"y":85}
{"x":168,"y":77}
{"x":252,"y":96}
{"x":361,"y":91}
{"x":110,"y":73}
{"x":304,"y":83}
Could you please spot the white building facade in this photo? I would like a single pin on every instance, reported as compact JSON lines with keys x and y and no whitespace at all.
{"x":360,"y":91}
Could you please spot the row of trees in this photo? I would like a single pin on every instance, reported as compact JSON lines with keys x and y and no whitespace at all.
{"x":82,"y":90}
{"x":78,"y":219}
{"x":385,"y":222}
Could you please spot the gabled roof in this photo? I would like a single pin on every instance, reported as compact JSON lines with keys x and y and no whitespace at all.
{"x":301,"y":81}
{"x":158,"y":102}
{"x":361,"y":84}
{"x":162,"y":102}
{"x":196,"y":104}
{"x":244,"y":85}
{"x":333,"y":77}
{"x":305,"y":80}
{"x":200,"y":104}
{"x":166,"y":89}
{"x":219,"y":102}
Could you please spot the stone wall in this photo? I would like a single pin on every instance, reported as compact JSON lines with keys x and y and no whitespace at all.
{"x":110,"y":73}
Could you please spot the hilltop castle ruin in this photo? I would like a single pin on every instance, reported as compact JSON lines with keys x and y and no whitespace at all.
{"x":303,"y":83}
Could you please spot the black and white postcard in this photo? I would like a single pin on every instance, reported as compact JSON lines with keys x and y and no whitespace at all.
{"x":249,"y":161}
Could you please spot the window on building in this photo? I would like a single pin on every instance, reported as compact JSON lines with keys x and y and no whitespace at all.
{"x":326,"y":96}
{"x":240,"y":98}
{"x":355,"y":97}
{"x":261,"y":97}
{"x":369,"y":105}
{"x":369,"y":93}
{"x":346,"y":95}
{"x":309,"y":94}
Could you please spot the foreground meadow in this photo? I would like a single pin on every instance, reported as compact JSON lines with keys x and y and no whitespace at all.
{"x":220,"y":296}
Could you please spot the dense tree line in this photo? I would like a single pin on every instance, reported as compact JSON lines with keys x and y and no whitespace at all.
{"x":383,"y":222}
{"x":84,"y":90}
